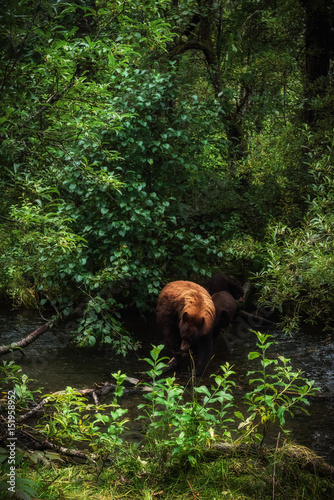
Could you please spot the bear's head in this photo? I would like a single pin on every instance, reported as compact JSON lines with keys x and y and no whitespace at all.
{"x":236,"y":291}
{"x":190,"y":327}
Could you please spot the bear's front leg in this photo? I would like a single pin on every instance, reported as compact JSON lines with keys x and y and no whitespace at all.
{"x":204,"y":348}
{"x":172,"y":338}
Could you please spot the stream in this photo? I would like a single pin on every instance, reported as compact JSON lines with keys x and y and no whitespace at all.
{"x":55,"y":363}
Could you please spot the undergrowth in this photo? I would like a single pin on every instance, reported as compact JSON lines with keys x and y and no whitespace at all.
{"x":195,"y":442}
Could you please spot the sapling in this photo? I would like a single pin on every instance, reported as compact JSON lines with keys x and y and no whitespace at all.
{"x":276,"y":392}
{"x":179,"y":428}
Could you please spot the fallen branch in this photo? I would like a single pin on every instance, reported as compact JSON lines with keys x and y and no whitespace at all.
{"x":33,"y":410}
{"x":95,"y":398}
{"x":66,"y":451}
{"x":42,"y":329}
{"x":95,"y":392}
{"x":246,"y":314}
{"x":302,"y":457}
{"x":27,"y":340}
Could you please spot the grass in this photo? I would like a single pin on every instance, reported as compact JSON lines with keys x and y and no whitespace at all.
{"x":238,"y":477}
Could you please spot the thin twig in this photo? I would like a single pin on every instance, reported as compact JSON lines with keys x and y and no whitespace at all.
{"x":274,"y":471}
{"x":96,"y":399}
{"x":109,"y":22}
{"x":192,"y":491}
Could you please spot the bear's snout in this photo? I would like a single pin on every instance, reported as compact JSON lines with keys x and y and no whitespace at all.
{"x":185,"y":346}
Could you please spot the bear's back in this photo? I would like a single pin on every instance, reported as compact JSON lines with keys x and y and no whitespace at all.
{"x":185,"y":296}
{"x":220,"y":282}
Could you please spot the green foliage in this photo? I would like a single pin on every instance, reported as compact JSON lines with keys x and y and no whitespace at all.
{"x":88,"y":151}
{"x":142,"y":142}
{"x":101,"y":320}
{"x":250,"y":56}
{"x":74,"y":421}
{"x":40,"y":244}
{"x":276,"y":176}
{"x":22,"y":396}
{"x":67,"y":424}
{"x":275,"y":393}
{"x":112,"y":440}
{"x":12,"y":378}
{"x":177,"y":429}
{"x":23,"y":488}
{"x":297,"y":275}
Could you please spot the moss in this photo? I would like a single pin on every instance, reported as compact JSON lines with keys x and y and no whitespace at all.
{"x":238,"y":477}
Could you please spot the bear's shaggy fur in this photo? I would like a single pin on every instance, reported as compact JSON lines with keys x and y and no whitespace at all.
{"x":226,"y":308}
{"x":186,"y":314}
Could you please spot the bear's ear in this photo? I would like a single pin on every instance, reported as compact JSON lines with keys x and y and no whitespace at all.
{"x":185,"y":317}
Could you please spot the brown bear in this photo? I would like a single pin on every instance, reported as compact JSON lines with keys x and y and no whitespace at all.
{"x":219,"y":282}
{"x":226,"y":308}
{"x":186,"y":314}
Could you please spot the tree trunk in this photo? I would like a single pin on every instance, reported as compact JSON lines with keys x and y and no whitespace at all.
{"x":318,"y":41}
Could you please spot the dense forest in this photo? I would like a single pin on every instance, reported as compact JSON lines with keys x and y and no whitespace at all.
{"x":143,"y":142}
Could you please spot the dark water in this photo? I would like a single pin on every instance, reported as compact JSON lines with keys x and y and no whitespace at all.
{"x":56,"y":363}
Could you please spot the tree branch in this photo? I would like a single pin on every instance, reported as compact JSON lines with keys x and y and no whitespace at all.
{"x":194,"y":45}
{"x":53,"y":98}
{"x":27,"y":340}
{"x":101,"y":390}
{"x":246,"y":314}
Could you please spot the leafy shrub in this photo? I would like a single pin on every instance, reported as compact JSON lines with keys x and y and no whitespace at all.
{"x":275,"y":393}
{"x":178,"y":430}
